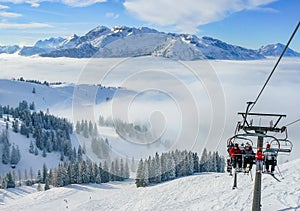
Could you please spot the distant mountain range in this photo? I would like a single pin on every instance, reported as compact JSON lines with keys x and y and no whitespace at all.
{"x":125,"y":41}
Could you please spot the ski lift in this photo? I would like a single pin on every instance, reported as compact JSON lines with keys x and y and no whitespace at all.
{"x":286,"y":146}
{"x":239,"y":139}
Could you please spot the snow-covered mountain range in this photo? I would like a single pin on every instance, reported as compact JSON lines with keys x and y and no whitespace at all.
{"x":123,"y":41}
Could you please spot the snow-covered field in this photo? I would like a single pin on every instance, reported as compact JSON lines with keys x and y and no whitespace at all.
{"x":211,"y":191}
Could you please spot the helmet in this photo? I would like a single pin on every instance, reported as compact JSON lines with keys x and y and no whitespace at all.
{"x":247,"y":144}
{"x":236,"y":145}
{"x":260,"y":148}
{"x":268,"y":146}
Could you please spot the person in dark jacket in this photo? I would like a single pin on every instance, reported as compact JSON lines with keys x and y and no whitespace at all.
{"x":270,"y":158}
{"x":236,"y":156}
{"x":249,"y":157}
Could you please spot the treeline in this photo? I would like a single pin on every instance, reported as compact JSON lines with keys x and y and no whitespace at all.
{"x":78,"y":172}
{"x":39,"y":82}
{"x":171,"y":165}
{"x":86,"y":128}
{"x":51,"y":133}
{"x":128,"y":131}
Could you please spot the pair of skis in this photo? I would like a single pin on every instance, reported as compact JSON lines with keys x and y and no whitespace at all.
{"x":272,"y":174}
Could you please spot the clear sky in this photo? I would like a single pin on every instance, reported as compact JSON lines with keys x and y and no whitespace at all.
{"x":249,"y":23}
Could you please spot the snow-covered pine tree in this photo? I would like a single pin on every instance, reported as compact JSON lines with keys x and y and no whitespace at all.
{"x":44,"y":154}
{"x":15,"y":155}
{"x":139,"y":174}
{"x":45,"y":173}
{"x":145,"y":180}
{"x":47,"y":187}
{"x":196,"y":162}
{"x":126,"y":171}
{"x":133,"y":166}
{"x":122,"y":170}
{"x":95,"y":130}
{"x":157,"y":168}
{"x":90,"y":128}
{"x":10,"y":180}
{"x":112,"y":174}
{"x":78,"y":127}
{"x":204,"y":161}
{"x":105,"y":173}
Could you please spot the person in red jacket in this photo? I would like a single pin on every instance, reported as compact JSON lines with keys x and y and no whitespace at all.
{"x":259,"y":157}
{"x":236,"y":156}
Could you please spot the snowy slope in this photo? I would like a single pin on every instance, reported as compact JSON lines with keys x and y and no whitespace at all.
{"x":58,"y":99}
{"x":211,"y":191}
{"x":30,"y":160}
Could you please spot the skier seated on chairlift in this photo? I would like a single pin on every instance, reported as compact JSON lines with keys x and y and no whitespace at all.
{"x":270,"y":159}
{"x":236,"y":156}
{"x":249,"y":157}
{"x":259,"y":158}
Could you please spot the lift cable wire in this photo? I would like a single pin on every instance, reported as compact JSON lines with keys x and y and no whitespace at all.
{"x":284,"y":50}
{"x":291,"y":123}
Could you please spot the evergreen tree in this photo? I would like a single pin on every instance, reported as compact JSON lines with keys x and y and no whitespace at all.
{"x":133,"y":167}
{"x":47,"y":187}
{"x":95,"y":131}
{"x":5,"y":154}
{"x":158,"y":171}
{"x":196,"y":162}
{"x":79,"y":153}
{"x":32,"y":106}
{"x":39,"y":177}
{"x":15,"y":155}
{"x":139,"y":174}
{"x":10,"y":181}
{"x":36,"y":151}
{"x":105,"y":173}
{"x":45,"y":173}
{"x":78,"y":127}
{"x":145,"y":181}
{"x":44,"y":154}
{"x":112,"y":172}
{"x":15,"y":126}
{"x":20,"y":177}
{"x":126,"y":171}
{"x":90,"y":128}
{"x":204,"y":161}
{"x":85,"y":129}
{"x":122,"y":170}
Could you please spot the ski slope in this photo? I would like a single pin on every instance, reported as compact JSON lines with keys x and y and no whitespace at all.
{"x":209,"y":191}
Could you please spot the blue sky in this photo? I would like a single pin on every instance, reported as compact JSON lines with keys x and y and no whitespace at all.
{"x":249,"y":23}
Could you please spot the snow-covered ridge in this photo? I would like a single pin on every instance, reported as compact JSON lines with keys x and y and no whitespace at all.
{"x":123,"y":41}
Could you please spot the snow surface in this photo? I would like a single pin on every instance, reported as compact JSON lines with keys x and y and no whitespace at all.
{"x":207,"y":191}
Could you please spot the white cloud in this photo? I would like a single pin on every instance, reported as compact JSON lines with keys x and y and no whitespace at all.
{"x":72,"y":3}
{"x":10,"y":15}
{"x":3,"y":7}
{"x":187,"y":15}
{"x":23,"y":25}
{"x":112,"y":15}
